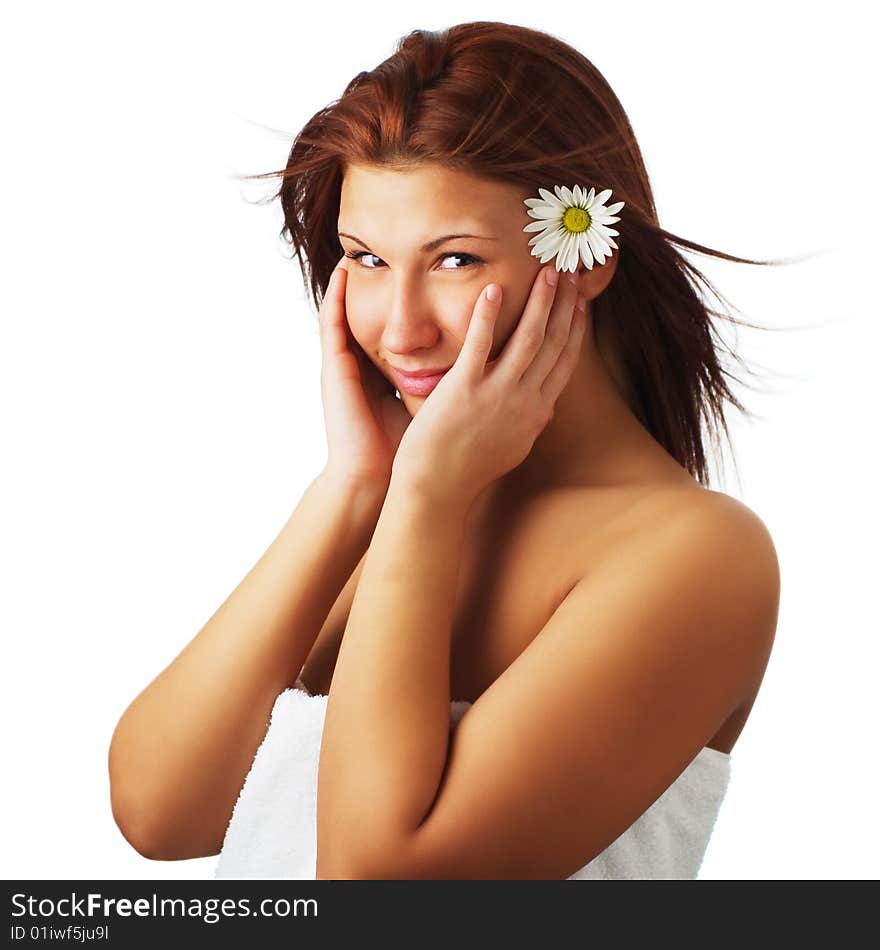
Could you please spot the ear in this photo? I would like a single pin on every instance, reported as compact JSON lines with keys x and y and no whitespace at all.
{"x":591,"y":283}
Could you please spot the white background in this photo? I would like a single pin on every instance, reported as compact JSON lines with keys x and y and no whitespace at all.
{"x":160,"y":367}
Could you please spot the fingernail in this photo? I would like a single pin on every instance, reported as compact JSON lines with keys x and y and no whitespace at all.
{"x":552,"y":276}
{"x":493,"y":291}
{"x":572,"y":277}
{"x":581,"y":303}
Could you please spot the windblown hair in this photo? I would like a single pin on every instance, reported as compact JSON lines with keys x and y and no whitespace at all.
{"x":521,"y":107}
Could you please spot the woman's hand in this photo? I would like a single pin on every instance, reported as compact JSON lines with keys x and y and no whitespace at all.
{"x":363,"y":418}
{"x":482,"y":419}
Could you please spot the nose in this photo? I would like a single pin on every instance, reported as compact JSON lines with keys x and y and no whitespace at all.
{"x":411,"y":322}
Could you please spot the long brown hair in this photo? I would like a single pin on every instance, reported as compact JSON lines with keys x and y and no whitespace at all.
{"x":520,"y":106}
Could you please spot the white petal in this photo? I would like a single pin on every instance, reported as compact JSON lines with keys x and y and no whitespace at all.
{"x":562,"y":255}
{"x":567,"y":196}
{"x":541,"y":245}
{"x":605,"y":242}
{"x":613,"y":209}
{"x":601,"y":229}
{"x":590,"y":197}
{"x":600,"y":237}
{"x":602,"y":197}
{"x":552,"y":239}
{"x":586,"y":254}
{"x":551,"y":201}
{"x":564,"y":259}
{"x":537,"y":226}
{"x":540,"y":236}
{"x":542,"y":207}
{"x":579,"y":195}
{"x":546,"y":210}
{"x":596,"y":246}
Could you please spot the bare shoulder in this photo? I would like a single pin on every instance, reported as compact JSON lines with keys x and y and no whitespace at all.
{"x":745,"y":539}
{"x":736,"y":527}
{"x":713,"y":517}
{"x":729,"y":552}
{"x":730,"y":534}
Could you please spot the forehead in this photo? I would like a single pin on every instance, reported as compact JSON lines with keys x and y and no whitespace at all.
{"x":425,"y":192}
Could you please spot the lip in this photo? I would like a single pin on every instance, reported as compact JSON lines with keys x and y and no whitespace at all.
{"x":419,"y":385}
{"x":418,"y":374}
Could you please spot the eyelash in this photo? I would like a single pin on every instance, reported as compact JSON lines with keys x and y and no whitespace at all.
{"x":357,"y":255}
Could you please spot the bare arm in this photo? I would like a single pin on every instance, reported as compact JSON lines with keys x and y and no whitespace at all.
{"x":384,"y":759}
{"x":182,"y":749}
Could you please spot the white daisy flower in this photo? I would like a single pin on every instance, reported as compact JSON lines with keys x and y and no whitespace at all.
{"x":572,"y":224}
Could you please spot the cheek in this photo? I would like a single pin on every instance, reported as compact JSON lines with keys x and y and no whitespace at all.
{"x":505,"y":327}
{"x":366,"y":328}
{"x":517,"y":283}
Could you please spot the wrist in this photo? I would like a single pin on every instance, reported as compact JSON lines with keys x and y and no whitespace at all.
{"x":362,"y":492}
{"x":431,"y":490}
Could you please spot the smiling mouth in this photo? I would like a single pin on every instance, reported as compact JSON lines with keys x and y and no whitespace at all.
{"x":421,"y":373}
{"x":416,"y":385}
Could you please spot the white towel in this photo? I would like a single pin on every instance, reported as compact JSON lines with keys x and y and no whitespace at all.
{"x":273,"y":829}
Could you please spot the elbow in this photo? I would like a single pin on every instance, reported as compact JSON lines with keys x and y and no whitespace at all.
{"x":144,"y":827}
{"x":135,"y":819}
{"x":155,"y":824}
{"x":135,"y":827}
{"x":152,"y":837}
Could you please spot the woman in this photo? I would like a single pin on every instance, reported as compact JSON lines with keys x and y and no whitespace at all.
{"x":524,"y":634}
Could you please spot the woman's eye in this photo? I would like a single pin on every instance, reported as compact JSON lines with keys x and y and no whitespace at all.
{"x":357,"y":255}
{"x":469,"y":259}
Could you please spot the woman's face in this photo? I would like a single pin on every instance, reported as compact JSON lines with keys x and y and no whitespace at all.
{"x":409,"y":307}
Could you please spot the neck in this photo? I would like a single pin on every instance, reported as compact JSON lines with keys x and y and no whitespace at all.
{"x":594,"y":438}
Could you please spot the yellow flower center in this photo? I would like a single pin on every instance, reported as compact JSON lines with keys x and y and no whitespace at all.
{"x":576,"y":219}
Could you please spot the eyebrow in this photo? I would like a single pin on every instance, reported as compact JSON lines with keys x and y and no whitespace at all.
{"x":431,"y":245}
